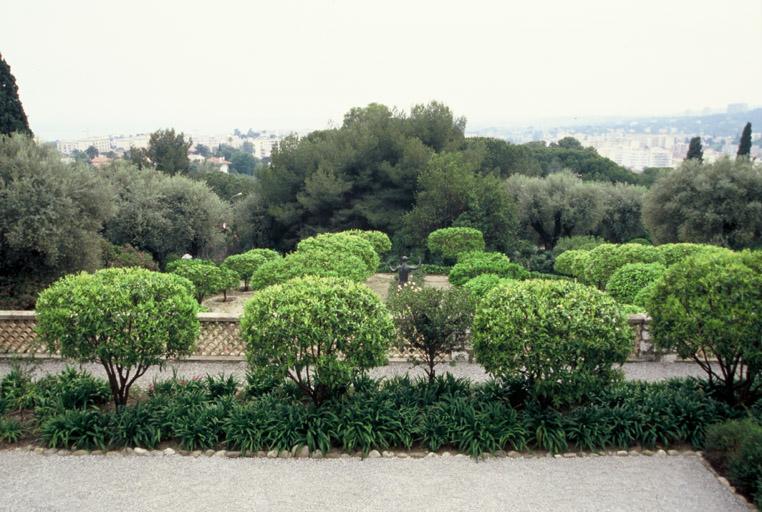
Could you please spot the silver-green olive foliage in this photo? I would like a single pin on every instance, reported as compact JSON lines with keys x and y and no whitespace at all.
{"x":710,"y":306}
{"x":316,"y":331}
{"x":559,"y":338}
{"x":128,"y":319}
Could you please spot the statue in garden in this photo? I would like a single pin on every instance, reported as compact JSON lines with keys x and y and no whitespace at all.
{"x":404,"y":270}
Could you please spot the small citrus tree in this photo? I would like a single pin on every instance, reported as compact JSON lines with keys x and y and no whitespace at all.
{"x":248,"y":262}
{"x":560,"y":338}
{"x":709,"y":306}
{"x":431,"y":322}
{"x":207,"y":278}
{"x":316,"y":331}
{"x":450,"y":242}
{"x":127,"y":319}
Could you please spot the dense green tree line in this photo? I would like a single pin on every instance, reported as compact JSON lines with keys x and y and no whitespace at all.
{"x":403,"y":173}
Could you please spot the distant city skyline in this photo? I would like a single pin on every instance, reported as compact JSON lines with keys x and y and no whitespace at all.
{"x":88,"y":68}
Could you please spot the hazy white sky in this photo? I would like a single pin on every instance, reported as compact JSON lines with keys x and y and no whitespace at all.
{"x":98,"y":67}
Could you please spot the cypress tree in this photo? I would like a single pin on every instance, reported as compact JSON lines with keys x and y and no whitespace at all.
{"x":744,"y":148}
{"x":695,"y":150}
{"x":12,"y":116}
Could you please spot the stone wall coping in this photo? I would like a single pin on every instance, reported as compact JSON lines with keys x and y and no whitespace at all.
{"x":31,"y":315}
{"x":638,"y":318}
{"x":218,"y":317}
{"x":17,"y":315}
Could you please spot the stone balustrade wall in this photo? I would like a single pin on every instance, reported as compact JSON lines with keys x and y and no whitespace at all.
{"x":219,"y":338}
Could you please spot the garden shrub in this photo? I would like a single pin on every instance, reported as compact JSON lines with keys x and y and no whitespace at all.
{"x":629,"y":279}
{"x":745,"y":471}
{"x":316,"y":331}
{"x":126,"y":319}
{"x":17,"y":390}
{"x":312,"y":263}
{"x":472,"y":264}
{"x":606,"y":259}
{"x":450,"y":242}
{"x":10,"y":430}
{"x":70,"y":389}
{"x":479,"y":286}
{"x":674,"y":253}
{"x":86,"y":429}
{"x":561,"y":338}
{"x":207,"y":278}
{"x":640,"y":241}
{"x":723,"y":441}
{"x":127,"y":256}
{"x":245,"y":264}
{"x":380,"y":241}
{"x":431,"y":323}
{"x":228,"y":279}
{"x":709,"y":306}
{"x":577,"y":243}
{"x":340,"y":244}
{"x":571,"y":263}
{"x":431,"y":269}
{"x":643,"y":296}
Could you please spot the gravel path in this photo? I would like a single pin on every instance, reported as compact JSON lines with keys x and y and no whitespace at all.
{"x":32,"y":482}
{"x":189,"y":369}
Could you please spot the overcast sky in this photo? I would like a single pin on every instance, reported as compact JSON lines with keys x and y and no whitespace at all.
{"x":102,"y":67}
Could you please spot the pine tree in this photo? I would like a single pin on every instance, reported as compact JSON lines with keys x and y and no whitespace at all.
{"x":744,"y":148}
{"x":695,"y":150}
{"x":12,"y":116}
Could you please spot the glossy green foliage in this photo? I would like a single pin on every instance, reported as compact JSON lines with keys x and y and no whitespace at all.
{"x":319,"y":263}
{"x":317,"y":331}
{"x":480,"y":285}
{"x":559,"y":337}
{"x":629,"y":279}
{"x":245,"y":264}
{"x":431,"y":323}
{"x":709,"y":305}
{"x":207,"y":278}
{"x":571,"y":262}
{"x":674,"y":253}
{"x":451,"y":242}
{"x":474,"y":263}
{"x":126,"y":319}
{"x":380,"y":241}
{"x":604,"y":260}
{"x":342,"y":244}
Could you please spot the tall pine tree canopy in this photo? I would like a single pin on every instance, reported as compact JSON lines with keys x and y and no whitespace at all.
{"x":695,"y":150}
{"x":744,"y":148}
{"x":12,"y":116}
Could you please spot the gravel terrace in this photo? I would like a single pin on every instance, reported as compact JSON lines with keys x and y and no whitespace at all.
{"x":634,"y":371}
{"x":33,"y":482}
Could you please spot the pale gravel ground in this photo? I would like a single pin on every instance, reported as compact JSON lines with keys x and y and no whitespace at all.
{"x":31,"y":482}
{"x":189,"y":369}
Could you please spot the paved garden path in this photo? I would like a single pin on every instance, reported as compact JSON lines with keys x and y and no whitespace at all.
{"x":33,"y":482}
{"x":190,"y":369}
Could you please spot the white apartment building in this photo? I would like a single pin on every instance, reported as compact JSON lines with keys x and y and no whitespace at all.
{"x":263,"y":146}
{"x":67,"y":147}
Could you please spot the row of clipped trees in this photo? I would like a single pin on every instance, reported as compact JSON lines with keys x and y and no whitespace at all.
{"x":314,"y":323}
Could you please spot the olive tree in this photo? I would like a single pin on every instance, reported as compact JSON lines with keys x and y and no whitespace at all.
{"x":51,"y":216}
{"x":316,"y":331}
{"x":127,"y":319}
{"x":718,"y":203}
